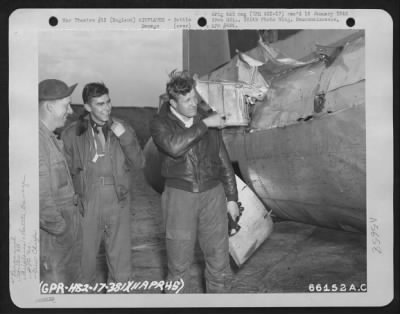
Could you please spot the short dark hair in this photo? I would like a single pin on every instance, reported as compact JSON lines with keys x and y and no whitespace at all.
{"x":180,"y":83}
{"x":92,"y":90}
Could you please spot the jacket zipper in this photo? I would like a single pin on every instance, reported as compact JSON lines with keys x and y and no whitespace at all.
{"x":197,"y":171}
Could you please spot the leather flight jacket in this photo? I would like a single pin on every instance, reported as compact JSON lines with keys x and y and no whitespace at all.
{"x":193,"y":159}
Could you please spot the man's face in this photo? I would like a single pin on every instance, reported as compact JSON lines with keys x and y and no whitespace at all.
{"x":100,"y":108}
{"x":186,"y":105}
{"x":61,"y":110}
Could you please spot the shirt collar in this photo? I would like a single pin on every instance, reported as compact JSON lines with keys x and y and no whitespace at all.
{"x":187,"y":123}
{"x":96,"y":127}
{"x":94,"y":124}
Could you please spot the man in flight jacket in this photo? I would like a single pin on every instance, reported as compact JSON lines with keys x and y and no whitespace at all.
{"x":200,"y":186}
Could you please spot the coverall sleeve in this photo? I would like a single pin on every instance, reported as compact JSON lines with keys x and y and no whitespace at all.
{"x":227,"y":173}
{"x":131,"y":148}
{"x":51,"y":219}
{"x":176,"y":143}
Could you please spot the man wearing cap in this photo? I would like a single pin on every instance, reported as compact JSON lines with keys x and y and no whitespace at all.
{"x":60,"y":217}
{"x":101,"y":151}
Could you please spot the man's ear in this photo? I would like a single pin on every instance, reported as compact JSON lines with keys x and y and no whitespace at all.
{"x":87,"y":107}
{"x":173,"y":103}
{"x":48,"y":105}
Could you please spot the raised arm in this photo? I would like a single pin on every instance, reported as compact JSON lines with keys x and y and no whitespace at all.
{"x":176,"y":142}
{"x":131,"y":147}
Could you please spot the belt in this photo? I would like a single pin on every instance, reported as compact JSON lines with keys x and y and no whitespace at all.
{"x":106,"y":180}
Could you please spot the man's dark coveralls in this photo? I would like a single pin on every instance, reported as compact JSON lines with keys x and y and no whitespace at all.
{"x":60,"y":219}
{"x":104,"y":186}
{"x":199,"y":181}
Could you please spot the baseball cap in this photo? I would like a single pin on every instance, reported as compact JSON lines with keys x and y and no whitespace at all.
{"x":52,"y":89}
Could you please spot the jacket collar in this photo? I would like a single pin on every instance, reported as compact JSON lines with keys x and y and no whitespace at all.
{"x":44,"y":130}
{"x":82,"y":124}
{"x":165,"y":111}
{"x":187,"y":124}
{"x":196,"y":118}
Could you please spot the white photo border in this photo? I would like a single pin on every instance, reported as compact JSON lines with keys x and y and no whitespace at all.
{"x":26,"y":25}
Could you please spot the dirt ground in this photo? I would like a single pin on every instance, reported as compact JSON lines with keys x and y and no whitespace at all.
{"x":295,"y":258}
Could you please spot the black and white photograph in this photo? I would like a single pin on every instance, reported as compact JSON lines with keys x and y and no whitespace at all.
{"x":201,"y":159}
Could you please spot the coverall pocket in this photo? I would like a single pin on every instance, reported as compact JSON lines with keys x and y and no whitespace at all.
{"x":67,"y":238}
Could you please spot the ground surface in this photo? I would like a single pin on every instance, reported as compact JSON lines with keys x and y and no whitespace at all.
{"x":293,"y":257}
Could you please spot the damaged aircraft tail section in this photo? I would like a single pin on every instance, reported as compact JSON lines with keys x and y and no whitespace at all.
{"x":297,"y":129}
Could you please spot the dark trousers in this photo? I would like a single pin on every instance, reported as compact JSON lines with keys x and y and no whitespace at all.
{"x":204,"y":215}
